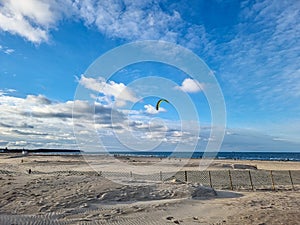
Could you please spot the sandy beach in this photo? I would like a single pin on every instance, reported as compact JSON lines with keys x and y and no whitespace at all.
{"x":68,"y":190}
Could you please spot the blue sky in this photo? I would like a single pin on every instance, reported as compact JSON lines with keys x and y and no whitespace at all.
{"x":251,"y":47}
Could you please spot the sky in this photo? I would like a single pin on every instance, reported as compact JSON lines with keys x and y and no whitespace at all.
{"x":49,"y":52}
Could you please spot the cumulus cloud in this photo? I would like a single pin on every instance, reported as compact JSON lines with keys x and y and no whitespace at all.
{"x":150,"y":109}
{"x":190,"y":86}
{"x":118,"y":91}
{"x":29,"y":19}
{"x":34,"y":121}
{"x":50,"y":125}
{"x":40,"y":99}
{"x":176,"y":133}
{"x":43,"y":123}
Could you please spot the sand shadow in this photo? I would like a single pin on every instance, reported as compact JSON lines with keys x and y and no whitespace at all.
{"x":228,"y":194}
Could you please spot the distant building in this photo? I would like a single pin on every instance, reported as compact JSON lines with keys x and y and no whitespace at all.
{"x":24,"y":152}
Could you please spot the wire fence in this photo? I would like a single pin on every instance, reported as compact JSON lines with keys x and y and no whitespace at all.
{"x":218,"y":179}
{"x":226,"y":179}
{"x":245,"y":179}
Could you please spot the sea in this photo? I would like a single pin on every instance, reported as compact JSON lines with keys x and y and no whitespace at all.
{"x":269,"y":156}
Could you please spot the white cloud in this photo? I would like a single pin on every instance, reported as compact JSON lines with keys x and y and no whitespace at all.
{"x":259,"y":59}
{"x":190,"y":86}
{"x":50,"y":125}
{"x":119,"y":91}
{"x":29,"y":19}
{"x":32,"y":19}
{"x":129,"y":20}
{"x":34,"y":121}
{"x":152,"y":110}
{"x":20,"y":143}
{"x":177,"y":134}
{"x":6,"y":91}
{"x":141,"y":20}
{"x":39,"y":99}
{"x":6,"y":50}
{"x":44,"y":123}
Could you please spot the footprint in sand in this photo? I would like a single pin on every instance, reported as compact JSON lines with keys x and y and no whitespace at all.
{"x":171,"y":218}
{"x":105,"y":216}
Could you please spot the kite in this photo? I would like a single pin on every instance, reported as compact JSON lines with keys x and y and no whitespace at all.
{"x":160,"y":101}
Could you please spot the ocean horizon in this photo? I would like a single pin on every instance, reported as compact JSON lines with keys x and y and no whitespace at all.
{"x":269,"y":156}
{"x":276,"y":156}
{"x":235,"y":155}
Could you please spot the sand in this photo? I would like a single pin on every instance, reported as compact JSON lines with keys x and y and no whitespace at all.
{"x":67,"y":190}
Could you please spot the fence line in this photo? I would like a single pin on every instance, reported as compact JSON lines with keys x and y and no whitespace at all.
{"x":243,"y":179}
{"x":226,"y":179}
{"x":218,"y":179}
{"x":232,"y":179}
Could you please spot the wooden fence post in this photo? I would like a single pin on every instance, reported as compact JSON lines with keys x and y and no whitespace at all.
{"x":230,"y":178}
{"x":160,"y":176}
{"x":210,"y":182}
{"x":291,"y":180}
{"x":251,"y":180}
{"x":272,"y":179}
{"x":185,"y":176}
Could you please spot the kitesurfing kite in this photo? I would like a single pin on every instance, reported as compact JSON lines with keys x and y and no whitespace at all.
{"x":160,"y":101}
